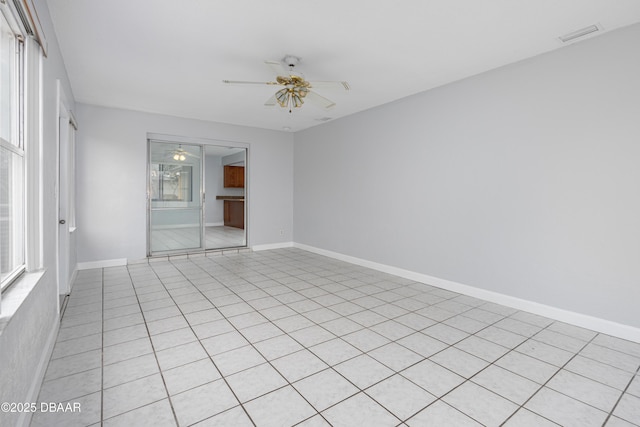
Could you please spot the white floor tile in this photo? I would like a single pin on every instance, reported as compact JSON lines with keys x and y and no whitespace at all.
{"x":634,"y":387}
{"x":363,"y":371}
{"x":131,"y":395}
{"x":283,"y":407}
{"x":298,"y":365}
{"x":628,"y":408}
{"x":203,"y":402}
{"x":564,"y":410}
{"x":224,"y":342}
{"x":432,"y":377}
{"x":191,"y":375}
{"x":440,"y":414}
{"x":238,"y":360}
{"x":528,"y":367}
{"x":445,"y":333}
{"x":72,"y":386}
{"x":611,"y":357}
{"x":289,"y":307}
{"x":279,"y":346}
{"x":546,"y":353}
{"x":400,"y":396}
{"x":325,"y":389}
{"x":129,"y":370}
{"x":482,"y":348}
{"x":585,"y":390}
{"x":395,"y":356}
{"x":180,"y":355}
{"x":316,"y":421}
{"x":619,"y":422}
{"x":74,"y":364}
{"x":601,"y":372}
{"x":365,"y":340}
{"x":312,"y":335}
{"x":463,"y":364}
{"x":506,"y":384}
{"x":526,"y":418}
{"x":235,"y":417}
{"x":360,"y":410}
{"x":155,"y":414}
{"x":255,"y":382}
{"x":480,"y":404}
{"x":173,"y":338}
{"x":335,"y":351}
{"x":422,"y":344}
{"x":77,"y":345}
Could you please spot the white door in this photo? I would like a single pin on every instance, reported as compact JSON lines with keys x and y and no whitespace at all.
{"x":63,"y":208}
{"x":66,"y":202}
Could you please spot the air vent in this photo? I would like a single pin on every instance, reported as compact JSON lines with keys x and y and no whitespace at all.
{"x":323,"y":119}
{"x":579,"y":33}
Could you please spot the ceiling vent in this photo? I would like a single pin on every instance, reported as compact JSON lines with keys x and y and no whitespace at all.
{"x":324,"y":119}
{"x":579,"y":33}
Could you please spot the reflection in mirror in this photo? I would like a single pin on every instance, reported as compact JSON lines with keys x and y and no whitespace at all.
{"x":175,"y":208}
{"x":171,"y":183}
{"x":196,"y":197}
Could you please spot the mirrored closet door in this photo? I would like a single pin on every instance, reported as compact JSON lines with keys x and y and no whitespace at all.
{"x":196,"y":197}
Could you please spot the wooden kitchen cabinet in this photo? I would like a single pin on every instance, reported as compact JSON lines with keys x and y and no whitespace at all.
{"x":234,"y":213}
{"x":234,"y":176}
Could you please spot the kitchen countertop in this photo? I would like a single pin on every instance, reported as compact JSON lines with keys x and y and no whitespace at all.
{"x":232,"y":198}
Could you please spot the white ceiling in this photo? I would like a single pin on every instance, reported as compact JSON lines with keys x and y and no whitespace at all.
{"x":170,"y":57}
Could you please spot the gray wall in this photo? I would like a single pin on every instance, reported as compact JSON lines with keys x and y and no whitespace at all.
{"x":112,"y":212}
{"x":523,"y":180}
{"x":24,"y":341}
{"x":214,"y":209}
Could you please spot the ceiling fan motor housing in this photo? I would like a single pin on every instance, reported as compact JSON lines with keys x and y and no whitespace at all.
{"x":291,"y":61}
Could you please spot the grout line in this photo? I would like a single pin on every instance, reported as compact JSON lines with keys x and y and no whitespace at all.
{"x":239,"y":275}
{"x":621,"y":396}
{"x":222,"y":376}
{"x":559,"y":369}
{"x":144,"y":319}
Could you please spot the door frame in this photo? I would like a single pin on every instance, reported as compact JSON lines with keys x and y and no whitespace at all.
{"x":203,"y":142}
{"x":64,"y":186}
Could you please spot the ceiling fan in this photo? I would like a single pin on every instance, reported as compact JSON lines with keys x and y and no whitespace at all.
{"x":181,"y":154}
{"x":295,"y":88}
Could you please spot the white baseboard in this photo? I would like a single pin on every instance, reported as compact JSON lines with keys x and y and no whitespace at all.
{"x":268,"y":246}
{"x":102,"y":264}
{"x":36,"y":382}
{"x":578,"y":319}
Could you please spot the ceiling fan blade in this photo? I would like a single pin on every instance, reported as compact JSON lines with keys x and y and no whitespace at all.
{"x":336,"y":85}
{"x":319,"y":100}
{"x":241,"y":82}
{"x":271,"y":102}
{"x":277,"y":68}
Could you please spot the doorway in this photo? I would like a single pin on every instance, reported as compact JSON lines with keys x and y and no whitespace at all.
{"x":65,"y":184}
{"x":193,"y":203}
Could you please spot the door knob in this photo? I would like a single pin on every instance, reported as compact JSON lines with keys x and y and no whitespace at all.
{"x":62,"y":221}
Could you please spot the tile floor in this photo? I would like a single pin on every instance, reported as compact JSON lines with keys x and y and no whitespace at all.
{"x":286,"y":337}
{"x":216,"y":237}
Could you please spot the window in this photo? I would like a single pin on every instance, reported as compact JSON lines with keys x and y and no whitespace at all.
{"x":12,"y":155}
